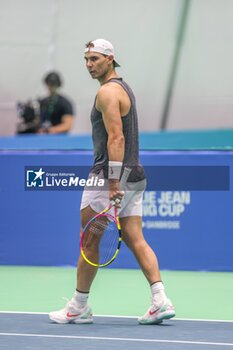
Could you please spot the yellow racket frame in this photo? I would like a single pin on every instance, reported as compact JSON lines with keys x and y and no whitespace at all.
{"x":117,"y":221}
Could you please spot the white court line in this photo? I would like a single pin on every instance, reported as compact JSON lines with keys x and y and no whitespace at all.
{"x":116,"y":339}
{"x":117,"y":316}
{"x":24,"y":312}
{"x":172,"y":319}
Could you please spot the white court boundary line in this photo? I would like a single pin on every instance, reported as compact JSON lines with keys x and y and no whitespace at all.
{"x":142,"y":340}
{"x":117,"y":316}
{"x":114,"y":338}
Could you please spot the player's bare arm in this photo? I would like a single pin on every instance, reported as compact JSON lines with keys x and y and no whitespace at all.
{"x":109,"y":103}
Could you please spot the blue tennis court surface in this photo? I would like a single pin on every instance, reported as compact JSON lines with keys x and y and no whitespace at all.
{"x":34,"y":331}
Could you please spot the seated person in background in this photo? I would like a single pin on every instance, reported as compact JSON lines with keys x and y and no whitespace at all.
{"x":56,"y":112}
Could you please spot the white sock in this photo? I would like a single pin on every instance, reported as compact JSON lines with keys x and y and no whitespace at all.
{"x":81,"y":299}
{"x":158,"y":293}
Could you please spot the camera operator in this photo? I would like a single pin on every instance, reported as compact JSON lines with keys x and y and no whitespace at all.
{"x":56,"y":111}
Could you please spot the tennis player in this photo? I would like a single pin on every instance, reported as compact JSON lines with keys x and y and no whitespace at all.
{"x":115,"y":137}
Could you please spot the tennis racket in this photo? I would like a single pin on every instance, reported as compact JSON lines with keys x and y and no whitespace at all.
{"x":100,"y":239}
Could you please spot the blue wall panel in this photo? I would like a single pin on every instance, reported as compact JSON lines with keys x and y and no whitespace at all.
{"x":42,"y":227}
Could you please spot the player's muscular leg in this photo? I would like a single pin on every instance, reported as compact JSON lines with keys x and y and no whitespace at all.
{"x":133,"y":237}
{"x":85,"y":272}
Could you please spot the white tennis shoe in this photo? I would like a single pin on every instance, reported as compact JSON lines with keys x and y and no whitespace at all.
{"x":156,"y":315}
{"x":71,"y":314}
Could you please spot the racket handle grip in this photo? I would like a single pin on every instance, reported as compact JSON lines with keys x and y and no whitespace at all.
{"x":124,"y":177}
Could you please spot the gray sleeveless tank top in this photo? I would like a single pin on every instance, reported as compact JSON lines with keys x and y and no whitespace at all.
{"x":130,"y":131}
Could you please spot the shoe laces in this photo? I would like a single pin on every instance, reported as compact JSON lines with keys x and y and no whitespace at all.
{"x":155,"y":305}
{"x":70,"y":303}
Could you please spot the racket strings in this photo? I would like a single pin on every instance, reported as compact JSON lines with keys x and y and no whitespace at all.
{"x":98,"y":226}
{"x":100,"y":240}
{"x":109,"y":243}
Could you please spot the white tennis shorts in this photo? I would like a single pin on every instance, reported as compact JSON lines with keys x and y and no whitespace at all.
{"x":131,"y":204}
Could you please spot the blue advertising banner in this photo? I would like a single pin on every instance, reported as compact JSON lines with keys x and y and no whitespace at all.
{"x":187,"y":208}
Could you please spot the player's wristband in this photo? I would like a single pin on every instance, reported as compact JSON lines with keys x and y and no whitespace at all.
{"x":114,"y":169}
